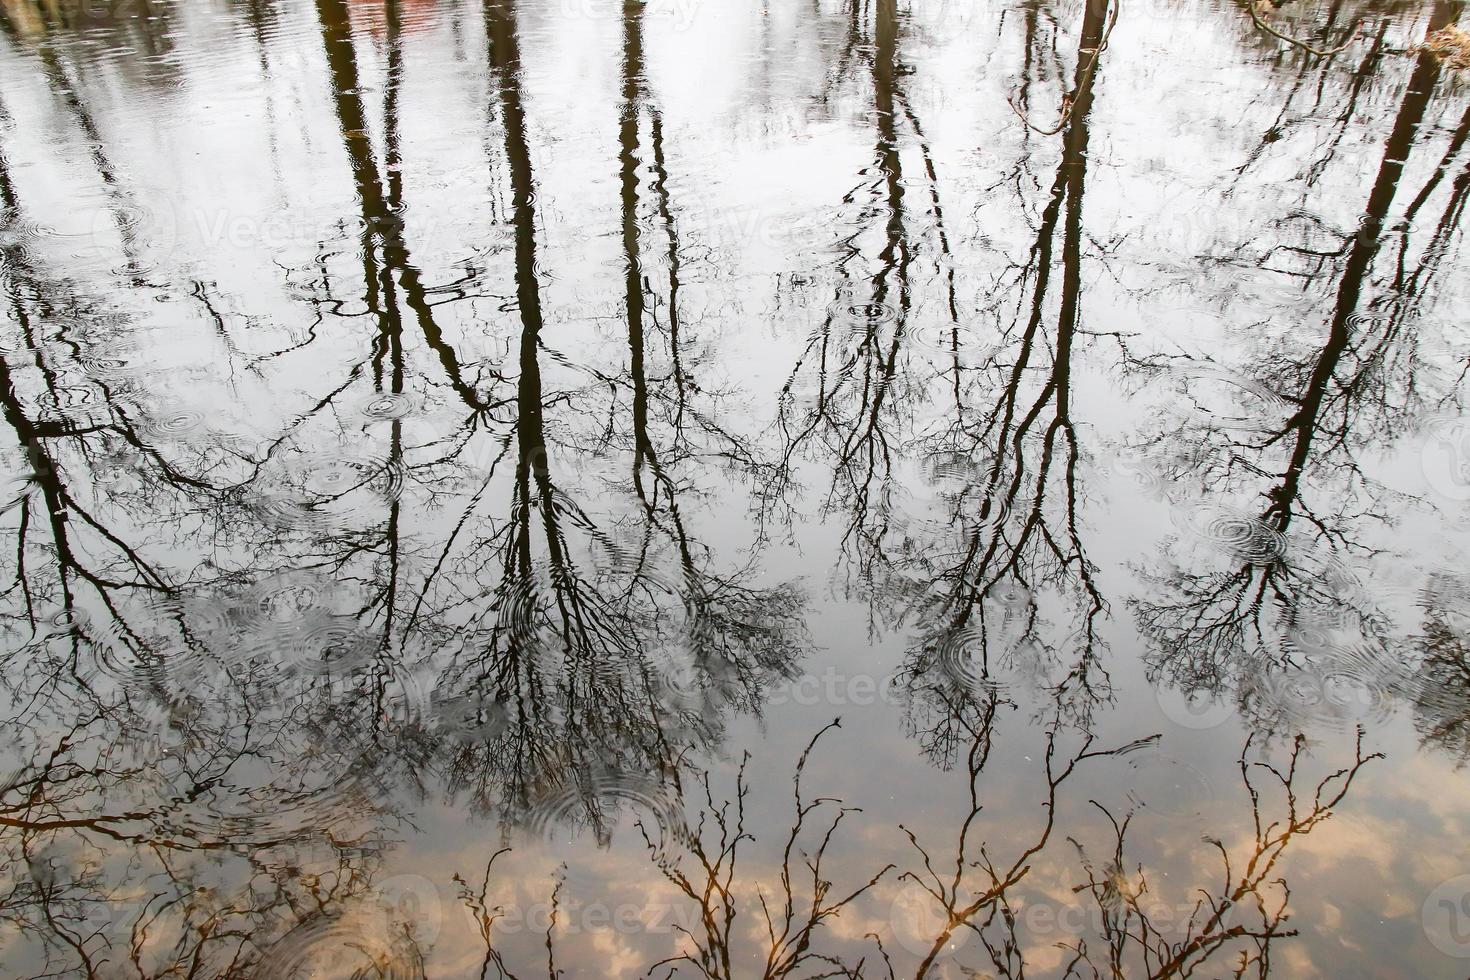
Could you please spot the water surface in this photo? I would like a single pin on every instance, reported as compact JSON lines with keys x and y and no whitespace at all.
{"x":733,"y":489}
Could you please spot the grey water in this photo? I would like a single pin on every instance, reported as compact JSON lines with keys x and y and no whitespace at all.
{"x":734,"y":489}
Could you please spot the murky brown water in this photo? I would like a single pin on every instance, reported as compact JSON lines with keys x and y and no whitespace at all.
{"x":459,"y":460}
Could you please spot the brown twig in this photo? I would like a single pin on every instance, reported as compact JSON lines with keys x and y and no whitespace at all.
{"x":1070,"y":100}
{"x":1310,"y":49}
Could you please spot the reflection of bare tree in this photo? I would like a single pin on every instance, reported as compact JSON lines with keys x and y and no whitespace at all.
{"x":795,"y":915}
{"x":973,"y":897}
{"x":228,"y":720}
{"x":731,"y":635}
{"x":1012,"y":492}
{"x":847,"y":392}
{"x":72,"y":415}
{"x":1359,"y":386}
{"x":975,"y":891}
{"x":123,"y":853}
{"x":1233,"y":925}
{"x":1441,"y":689}
{"x":602,"y":646}
{"x":486,"y":915}
{"x":130,"y":720}
{"x":864,"y":372}
{"x":66,"y":82}
{"x":1086,"y":74}
{"x":1263,"y":23}
{"x":145,"y":26}
{"x":208,"y":679}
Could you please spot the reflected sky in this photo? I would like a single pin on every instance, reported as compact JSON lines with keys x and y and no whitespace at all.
{"x":675,"y":489}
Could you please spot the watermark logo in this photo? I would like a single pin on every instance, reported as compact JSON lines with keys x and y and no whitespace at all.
{"x":1445,"y":457}
{"x":1197,"y":709}
{"x":681,"y":12}
{"x":412,"y":901}
{"x":1445,"y":917}
{"x":918,"y":922}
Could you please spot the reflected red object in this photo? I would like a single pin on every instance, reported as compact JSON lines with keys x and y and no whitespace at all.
{"x":371,"y":16}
